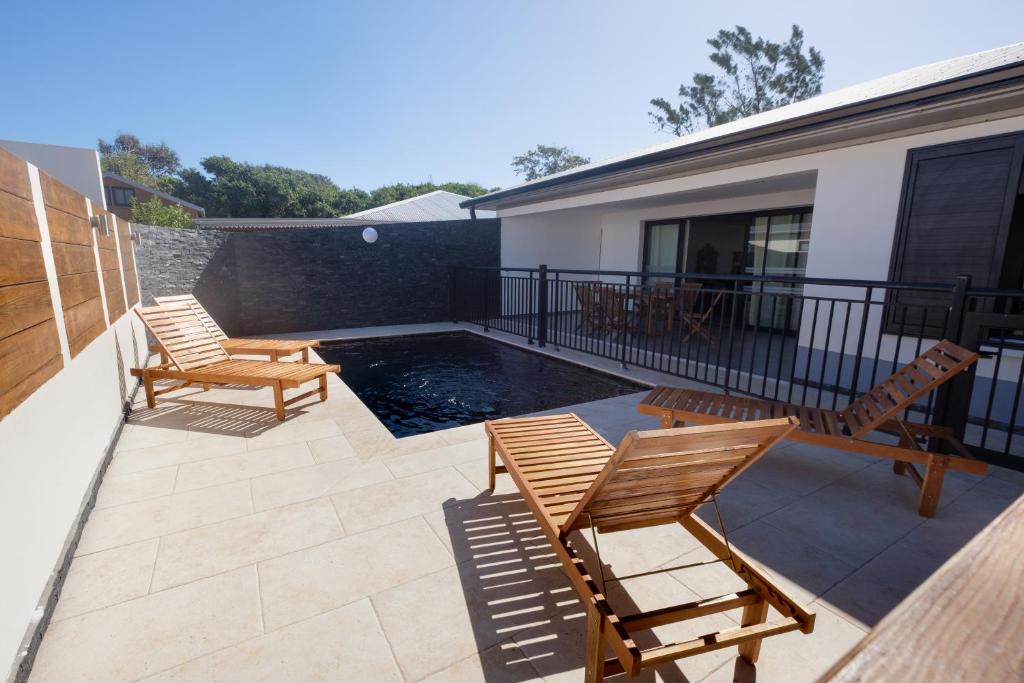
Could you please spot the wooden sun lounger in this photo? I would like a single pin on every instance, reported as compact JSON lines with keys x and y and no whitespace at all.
{"x":276,"y":349}
{"x":571,"y":479}
{"x":847,"y":430}
{"x":196,"y":358}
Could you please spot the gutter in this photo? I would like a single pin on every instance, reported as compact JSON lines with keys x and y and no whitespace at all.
{"x":1006,"y":75}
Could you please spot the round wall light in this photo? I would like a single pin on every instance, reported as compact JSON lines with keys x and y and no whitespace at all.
{"x":370,"y":235}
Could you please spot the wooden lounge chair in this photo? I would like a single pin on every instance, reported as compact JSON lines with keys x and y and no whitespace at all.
{"x":274,"y":348}
{"x":849,"y":429}
{"x":571,"y":479}
{"x":196,"y":358}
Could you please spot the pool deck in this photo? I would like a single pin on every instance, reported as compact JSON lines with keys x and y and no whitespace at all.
{"x":227,"y":546}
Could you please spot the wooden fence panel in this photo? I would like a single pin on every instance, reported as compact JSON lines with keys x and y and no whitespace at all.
{"x":71,"y":236}
{"x":29,"y":346}
{"x":110,"y":268}
{"x":131,"y":281}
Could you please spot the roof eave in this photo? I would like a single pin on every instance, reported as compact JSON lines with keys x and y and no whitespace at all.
{"x":996,"y":76}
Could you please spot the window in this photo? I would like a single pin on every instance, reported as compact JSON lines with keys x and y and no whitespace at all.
{"x":120,"y":196}
{"x":763,"y":243}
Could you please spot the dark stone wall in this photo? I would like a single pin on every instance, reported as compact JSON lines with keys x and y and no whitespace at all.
{"x":318,"y":278}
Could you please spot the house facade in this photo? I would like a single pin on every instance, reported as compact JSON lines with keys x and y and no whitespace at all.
{"x":915,"y":177}
{"x":119,"y":193}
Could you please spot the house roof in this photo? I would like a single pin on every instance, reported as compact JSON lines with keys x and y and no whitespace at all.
{"x":439,"y":205}
{"x":906,"y":88}
{"x":154,"y":191}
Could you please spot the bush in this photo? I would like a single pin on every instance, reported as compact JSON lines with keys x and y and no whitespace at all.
{"x":155,"y":212}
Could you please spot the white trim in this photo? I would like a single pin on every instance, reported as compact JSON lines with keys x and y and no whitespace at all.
{"x":49,"y":265}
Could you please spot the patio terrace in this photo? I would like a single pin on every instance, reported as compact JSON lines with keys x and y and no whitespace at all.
{"x":225,"y":545}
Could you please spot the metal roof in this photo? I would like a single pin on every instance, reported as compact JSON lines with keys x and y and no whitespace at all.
{"x":439,"y":205}
{"x":154,"y":191}
{"x":815,"y":111}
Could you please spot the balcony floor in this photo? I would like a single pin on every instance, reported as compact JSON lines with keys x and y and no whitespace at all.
{"x":227,"y":546}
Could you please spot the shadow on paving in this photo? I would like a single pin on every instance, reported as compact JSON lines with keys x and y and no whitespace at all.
{"x":227,"y":419}
{"x":524,"y":612}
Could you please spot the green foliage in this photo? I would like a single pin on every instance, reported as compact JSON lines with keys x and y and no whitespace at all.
{"x":757,"y":75}
{"x":232,"y":189}
{"x":154,"y":212}
{"x":543,"y":160}
{"x":154,"y":165}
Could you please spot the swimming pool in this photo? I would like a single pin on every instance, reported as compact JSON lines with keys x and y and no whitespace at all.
{"x":425,"y":382}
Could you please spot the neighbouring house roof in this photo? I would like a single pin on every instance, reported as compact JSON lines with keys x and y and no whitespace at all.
{"x":154,"y":191}
{"x":907,"y":89}
{"x":439,"y":205}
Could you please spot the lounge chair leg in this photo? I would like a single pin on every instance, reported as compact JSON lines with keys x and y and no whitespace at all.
{"x":305,"y":355}
{"x":899,"y":467}
{"x":323,"y":387}
{"x":666,"y":420}
{"x":491,"y":470}
{"x":934,"y":473}
{"x":279,"y":401}
{"x":594,"y":668}
{"x":753,"y":614}
{"x":147,"y":382}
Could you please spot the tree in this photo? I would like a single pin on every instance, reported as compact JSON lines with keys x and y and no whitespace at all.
{"x":154,"y":212}
{"x":757,"y":75}
{"x":543,"y":160}
{"x":155,"y":165}
{"x":396,"y":192}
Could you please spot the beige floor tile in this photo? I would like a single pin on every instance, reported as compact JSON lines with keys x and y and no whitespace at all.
{"x":140,"y":459}
{"x":140,"y":435}
{"x":479,"y":604}
{"x":293,"y":432}
{"x":343,"y":645}
{"x":106,"y":578}
{"x":486,"y":525}
{"x":132,"y":522}
{"x":435,"y":458}
{"x":253,"y":463}
{"x":305,"y":483}
{"x":118,"y":489}
{"x":380,"y":504}
{"x":796,"y":657}
{"x":373,"y":440}
{"x":503,"y":663}
{"x":216,"y":548}
{"x":455,"y":435}
{"x":141,"y":637}
{"x":318,"y":579}
{"x":332,"y":448}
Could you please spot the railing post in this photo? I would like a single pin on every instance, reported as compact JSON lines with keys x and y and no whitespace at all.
{"x":452,"y":298}
{"x":625,"y":326}
{"x":486,"y":298}
{"x":953,"y":399}
{"x":860,"y":345}
{"x":542,"y":306}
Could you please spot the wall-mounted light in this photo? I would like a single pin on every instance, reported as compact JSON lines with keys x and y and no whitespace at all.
{"x":100,"y":224}
{"x":370,"y":235}
{"x":136,"y":238}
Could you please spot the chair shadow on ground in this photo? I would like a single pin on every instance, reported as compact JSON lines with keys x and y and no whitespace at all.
{"x":525,"y":615}
{"x":227,"y":419}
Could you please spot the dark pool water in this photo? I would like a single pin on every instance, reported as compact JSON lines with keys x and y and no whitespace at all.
{"x":422,"y":383}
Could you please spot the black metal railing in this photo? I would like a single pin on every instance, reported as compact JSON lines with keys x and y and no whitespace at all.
{"x":814,"y":341}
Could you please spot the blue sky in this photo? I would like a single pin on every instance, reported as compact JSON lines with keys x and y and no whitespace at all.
{"x":377,"y":92}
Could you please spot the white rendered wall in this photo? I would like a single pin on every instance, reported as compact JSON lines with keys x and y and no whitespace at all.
{"x":76,"y":167}
{"x":50,"y":448}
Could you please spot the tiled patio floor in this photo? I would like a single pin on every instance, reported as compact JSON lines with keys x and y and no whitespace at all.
{"x":227,"y":546}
